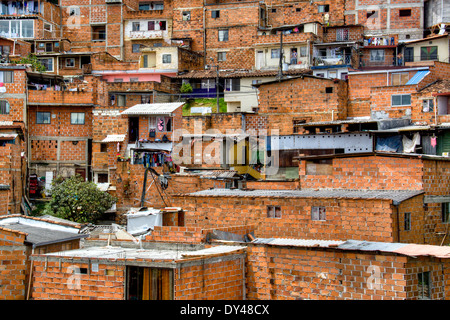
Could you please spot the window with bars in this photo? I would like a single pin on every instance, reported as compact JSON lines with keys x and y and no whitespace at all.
{"x":424,"y":285}
{"x":233,"y":84}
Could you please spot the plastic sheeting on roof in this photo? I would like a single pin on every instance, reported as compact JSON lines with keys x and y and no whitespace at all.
{"x":418,"y":77}
{"x":153,"y":108}
{"x":114,"y":138}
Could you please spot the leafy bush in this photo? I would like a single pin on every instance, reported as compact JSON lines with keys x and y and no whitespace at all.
{"x":186,"y":88}
{"x":77,"y":200}
{"x":35,"y":64}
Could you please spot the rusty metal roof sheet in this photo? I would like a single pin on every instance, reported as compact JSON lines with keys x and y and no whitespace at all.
{"x":397,"y":196}
{"x":407,"y":249}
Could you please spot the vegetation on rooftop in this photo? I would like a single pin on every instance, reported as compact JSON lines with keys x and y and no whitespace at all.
{"x":204,"y":102}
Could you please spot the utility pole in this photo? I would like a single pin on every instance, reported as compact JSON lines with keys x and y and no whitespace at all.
{"x":280,"y":68}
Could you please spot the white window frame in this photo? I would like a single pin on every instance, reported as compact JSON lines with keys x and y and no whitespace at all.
{"x":318,"y":213}
{"x":77,"y":118}
{"x":372,"y":58}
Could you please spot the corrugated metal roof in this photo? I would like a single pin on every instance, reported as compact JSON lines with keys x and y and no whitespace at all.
{"x":114,"y":138}
{"x":416,"y":250}
{"x":42,"y":236}
{"x":212,"y":251}
{"x":394,"y":195}
{"x":418,"y":77}
{"x":408,"y":249}
{"x":153,"y":108}
{"x":298,"y":242}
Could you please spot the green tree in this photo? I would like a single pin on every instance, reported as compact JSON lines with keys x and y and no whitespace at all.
{"x":77,"y":200}
{"x":35,"y":64}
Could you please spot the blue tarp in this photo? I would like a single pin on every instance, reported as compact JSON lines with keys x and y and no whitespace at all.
{"x":393,"y":143}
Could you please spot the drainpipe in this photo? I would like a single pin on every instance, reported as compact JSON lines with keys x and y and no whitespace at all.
{"x":396,"y":204}
{"x":31,"y":274}
{"x":204,"y":33}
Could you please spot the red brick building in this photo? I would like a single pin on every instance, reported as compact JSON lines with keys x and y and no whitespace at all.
{"x":21,"y":237}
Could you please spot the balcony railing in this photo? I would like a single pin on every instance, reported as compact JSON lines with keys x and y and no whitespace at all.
{"x":333,"y":60}
{"x":154,"y":34}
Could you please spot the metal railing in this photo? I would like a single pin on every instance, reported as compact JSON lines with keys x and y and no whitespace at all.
{"x":333,"y":60}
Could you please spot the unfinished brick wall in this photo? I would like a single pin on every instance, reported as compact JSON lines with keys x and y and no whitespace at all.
{"x":12,"y":167}
{"x":13,"y":267}
{"x":293,"y":12}
{"x":279,"y":272}
{"x":56,"y":281}
{"x":381,"y":101}
{"x":200,"y":278}
{"x":310,"y":98}
{"x":345,"y":218}
{"x":222,"y":280}
{"x":372,"y":172}
{"x":130,"y":180}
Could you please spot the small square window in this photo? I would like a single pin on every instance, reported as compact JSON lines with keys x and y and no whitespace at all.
{"x":43,"y":117}
{"x":404,"y":13}
{"x":329,"y":90}
{"x":102,"y":178}
{"x":70,"y":62}
{"x":273,"y":212}
{"x":318,"y":214}
{"x":186,"y":15}
{"x":215,"y":14}
{"x":324,"y":8}
{"x":376,"y":55}
{"x":275,"y":53}
{"x":99,"y":33}
{"x":274,"y":10}
{"x":221,"y":56}
{"x":77,"y":118}
{"x":223,"y":35}
{"x":166,"y":58}
{"x":103,"y":147}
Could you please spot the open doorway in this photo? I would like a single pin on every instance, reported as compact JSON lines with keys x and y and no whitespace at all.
{"x":133,"y":129}
{"x":149,"y":283}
